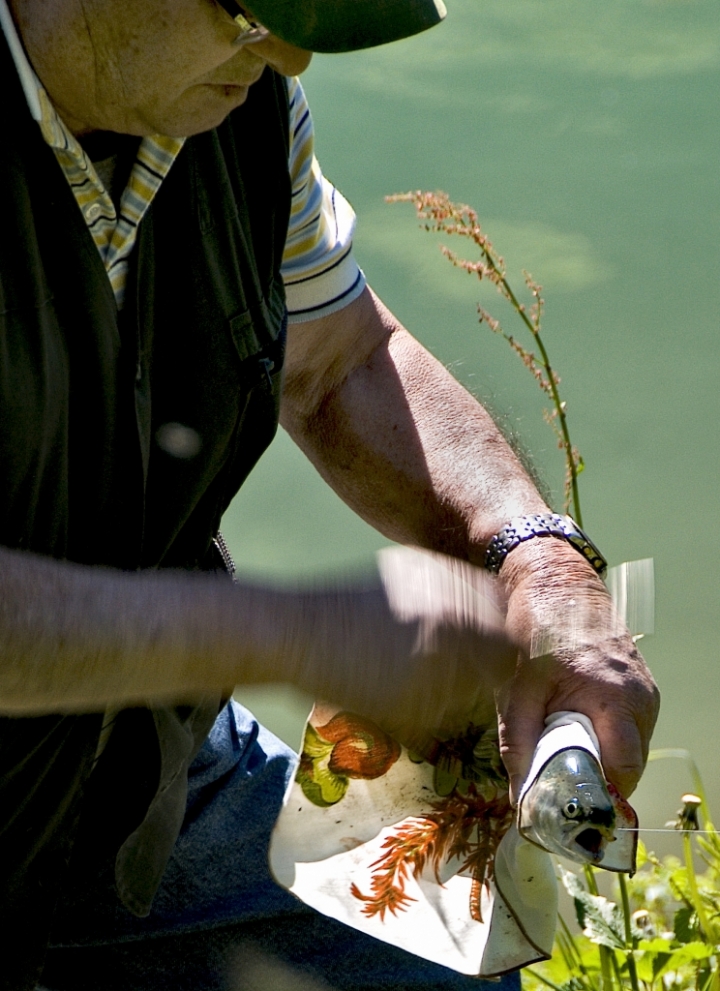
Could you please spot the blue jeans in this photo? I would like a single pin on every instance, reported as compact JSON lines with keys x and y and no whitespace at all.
{"x":219,"y":922}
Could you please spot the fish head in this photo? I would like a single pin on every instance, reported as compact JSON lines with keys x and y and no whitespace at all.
{"x":568,"y":809}
{"x":587,"y":823}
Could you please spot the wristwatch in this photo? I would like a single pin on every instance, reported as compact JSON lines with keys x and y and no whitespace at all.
{"x":522,"y":528}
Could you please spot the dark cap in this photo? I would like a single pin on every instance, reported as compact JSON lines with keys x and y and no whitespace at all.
{"x":345,"y":25}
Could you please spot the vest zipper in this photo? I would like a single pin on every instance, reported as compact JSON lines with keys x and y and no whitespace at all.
{"x":225,"y":554}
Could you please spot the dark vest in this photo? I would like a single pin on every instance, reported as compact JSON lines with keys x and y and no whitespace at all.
{"x":85,"y":393}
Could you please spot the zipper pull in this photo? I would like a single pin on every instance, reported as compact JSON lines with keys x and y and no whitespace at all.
{"x":267,"y":365}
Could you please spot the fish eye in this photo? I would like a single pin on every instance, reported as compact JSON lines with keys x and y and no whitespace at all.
{"x":571,"y":809}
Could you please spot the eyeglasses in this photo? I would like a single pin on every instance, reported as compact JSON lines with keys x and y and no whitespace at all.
{"x":250,"y":29}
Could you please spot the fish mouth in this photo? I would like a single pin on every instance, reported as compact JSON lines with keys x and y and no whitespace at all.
{"x":592,"y":842}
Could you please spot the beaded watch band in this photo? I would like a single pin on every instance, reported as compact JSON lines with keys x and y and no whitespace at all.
{"x":522,"y":528}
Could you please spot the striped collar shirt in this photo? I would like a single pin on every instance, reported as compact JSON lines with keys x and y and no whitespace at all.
{"x":319,"y":270}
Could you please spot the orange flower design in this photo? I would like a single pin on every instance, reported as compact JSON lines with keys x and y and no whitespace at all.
{"x":348,"y":746}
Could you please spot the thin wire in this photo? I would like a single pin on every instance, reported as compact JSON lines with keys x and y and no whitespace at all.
{"x":678,"y":832}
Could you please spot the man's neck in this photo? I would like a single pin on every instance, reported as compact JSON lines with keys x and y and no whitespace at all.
{"x":47,"y":46}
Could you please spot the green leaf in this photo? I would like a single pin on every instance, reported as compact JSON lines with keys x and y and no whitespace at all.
{"x":652,"y":958}
{"x":656,"y":945}
{"x":600,"y":919}
{"x":692,"y":952}
{"x":444,"y":782}
{"x":685,"y":924}
{"x":647,"y":966}
{"x":571,"y":882}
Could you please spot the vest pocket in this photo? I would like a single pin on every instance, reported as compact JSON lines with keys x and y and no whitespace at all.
{"x":258,"y":334}
{"x":242,"y":329}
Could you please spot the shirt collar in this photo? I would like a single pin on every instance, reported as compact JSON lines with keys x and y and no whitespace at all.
{"x":30,"y":83}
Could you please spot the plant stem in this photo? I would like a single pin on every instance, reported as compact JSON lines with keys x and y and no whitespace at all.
{"x":606,"y":954}
{"x":629,"y":938}
{"x":441,"y":214}
{"x":569,"y":457}
{"x":578,"y":962}
{"x":626,"y":911}
{"x":707,"y":986}
{"x":590,"y":880}
{"x":605,"y":972}
{"x":549,"y":983}
{"x":705,"y":924}
{"x":572,"y":467}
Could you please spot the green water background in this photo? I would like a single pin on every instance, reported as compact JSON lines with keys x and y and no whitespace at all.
{"x":587,"y":137}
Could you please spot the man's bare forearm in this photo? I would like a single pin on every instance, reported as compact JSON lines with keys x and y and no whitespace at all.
{"x":405,"y":445}
{"x":417,"y":643}
{"x":76,"y":638}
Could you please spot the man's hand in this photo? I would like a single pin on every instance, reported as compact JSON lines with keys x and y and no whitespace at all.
{"x":460,"y":650}
{"x":575,"y":655}
{"x":420,"y":647}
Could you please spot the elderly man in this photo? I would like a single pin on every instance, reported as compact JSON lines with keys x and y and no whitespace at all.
{"x":172,"y":260}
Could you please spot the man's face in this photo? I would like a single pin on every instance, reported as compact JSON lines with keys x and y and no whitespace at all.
{"x":145,"y":66}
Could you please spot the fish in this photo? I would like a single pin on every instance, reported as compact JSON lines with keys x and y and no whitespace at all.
{"x":568,"y":809}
